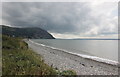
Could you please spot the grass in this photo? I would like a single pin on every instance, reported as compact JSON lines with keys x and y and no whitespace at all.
{"x":18,"y":59}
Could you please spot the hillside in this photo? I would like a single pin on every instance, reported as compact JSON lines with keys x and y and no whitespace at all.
{"x":18,"y":59}
{"x":28,"y":32}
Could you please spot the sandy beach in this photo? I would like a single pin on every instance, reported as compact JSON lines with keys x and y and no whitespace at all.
{"x":66,"y":61}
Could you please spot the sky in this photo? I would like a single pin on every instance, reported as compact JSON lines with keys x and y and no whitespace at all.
{"x":65,"y":20}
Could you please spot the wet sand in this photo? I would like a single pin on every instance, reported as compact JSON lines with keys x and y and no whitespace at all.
{"x":66,"y":61}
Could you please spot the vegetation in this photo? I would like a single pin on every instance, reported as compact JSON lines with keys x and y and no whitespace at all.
{"x":28,"y":32}
{"x":18,"y":59}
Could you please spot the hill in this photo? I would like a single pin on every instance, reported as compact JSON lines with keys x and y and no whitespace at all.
{"x":19,"y":59}
{"x":28,"y":32}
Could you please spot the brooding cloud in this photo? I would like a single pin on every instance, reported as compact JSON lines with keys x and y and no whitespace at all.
{"x":83,"y":19}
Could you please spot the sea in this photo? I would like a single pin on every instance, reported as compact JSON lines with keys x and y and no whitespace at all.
{"x":100,"y":50}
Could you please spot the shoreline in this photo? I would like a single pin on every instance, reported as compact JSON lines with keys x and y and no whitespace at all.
{"x":94,"y":58}
{"x":66,"y":61}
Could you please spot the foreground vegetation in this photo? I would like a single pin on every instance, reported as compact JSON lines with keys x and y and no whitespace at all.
{"x":18,"y":59}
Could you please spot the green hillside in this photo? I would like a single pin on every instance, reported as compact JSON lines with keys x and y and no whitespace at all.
{"x":28,"y":32}
{"x":19,"y":59}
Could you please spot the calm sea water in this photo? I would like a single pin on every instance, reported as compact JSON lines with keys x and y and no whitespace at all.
{"x":107,"y":49}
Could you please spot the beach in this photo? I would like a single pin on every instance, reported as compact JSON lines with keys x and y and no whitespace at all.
{"x":66,"y":61}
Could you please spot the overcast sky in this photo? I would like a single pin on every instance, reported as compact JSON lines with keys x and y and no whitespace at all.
{"x":65,"y":19}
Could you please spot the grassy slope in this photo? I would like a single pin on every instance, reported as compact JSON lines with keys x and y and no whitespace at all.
{"x":18,"y":59}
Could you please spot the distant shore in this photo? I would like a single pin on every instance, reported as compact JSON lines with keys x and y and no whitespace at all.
{"x":65,"y":61}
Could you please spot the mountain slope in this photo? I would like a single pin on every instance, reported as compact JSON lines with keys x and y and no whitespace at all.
{"x":32,"y":32}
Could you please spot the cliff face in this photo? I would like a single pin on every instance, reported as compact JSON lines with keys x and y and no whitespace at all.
{"x":32,"y":33}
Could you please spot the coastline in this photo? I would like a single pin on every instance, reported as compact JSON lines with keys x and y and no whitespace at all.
{"x":66,"y":61}
{"x":95,"y":58}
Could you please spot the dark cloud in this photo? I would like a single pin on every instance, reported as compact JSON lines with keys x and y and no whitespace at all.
{"x":52,"y":16}
{"x":56,"y":17}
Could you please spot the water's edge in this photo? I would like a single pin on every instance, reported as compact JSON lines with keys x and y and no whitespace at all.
{"x":103,"y":60}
